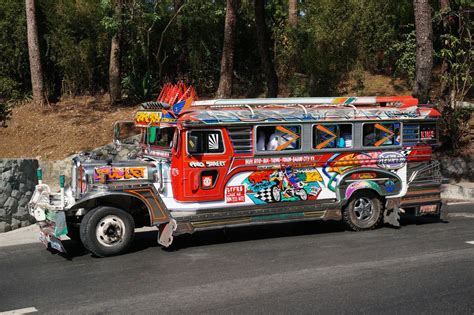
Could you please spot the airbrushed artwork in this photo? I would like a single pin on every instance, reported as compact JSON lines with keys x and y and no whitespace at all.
{"x":285,"y":184}
{"x":306,"y":181}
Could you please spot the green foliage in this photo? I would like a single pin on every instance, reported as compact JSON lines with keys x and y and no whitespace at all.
{"x":331,"y":40}
{"x":14,"y":66}
{"x":404,"y":52}
{"x":75,"y":45}
{"x":455,"y":128}
{"x":9,"y":89}
{"x":458,"y":53}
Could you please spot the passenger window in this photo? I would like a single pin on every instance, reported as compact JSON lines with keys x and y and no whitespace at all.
{"x":278,"y":138}
{"x":332,"y":136}
{"x":205,"y":141}
{"x":381,"y":134}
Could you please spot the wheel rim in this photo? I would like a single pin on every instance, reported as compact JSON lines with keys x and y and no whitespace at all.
{"x":110,"y":230}
{"x":363,"y":209}
{"x":276,"y":193}
{"x":303,"y":194}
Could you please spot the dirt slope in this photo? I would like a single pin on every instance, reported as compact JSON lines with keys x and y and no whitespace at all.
{"x":61,"y":129}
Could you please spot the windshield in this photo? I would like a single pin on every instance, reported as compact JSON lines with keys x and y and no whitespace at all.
{"x":160,"y":137}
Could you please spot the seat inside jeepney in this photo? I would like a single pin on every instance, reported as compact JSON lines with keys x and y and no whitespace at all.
{"x":278,"y":138}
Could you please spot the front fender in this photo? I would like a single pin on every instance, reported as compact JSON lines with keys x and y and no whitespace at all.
{"x":127,"y":199}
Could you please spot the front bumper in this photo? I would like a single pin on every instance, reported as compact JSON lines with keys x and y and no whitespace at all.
{"x":48,"y":237}
{"x":49,"y":211}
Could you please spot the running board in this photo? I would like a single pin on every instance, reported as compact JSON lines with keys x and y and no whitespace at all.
{"x":259,"y":215}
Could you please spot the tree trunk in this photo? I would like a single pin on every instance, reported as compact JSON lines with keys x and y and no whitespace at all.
{"x":292,"y":12}
{"x":115,"y":90}
{"x":424,"y":49}
{"x":444,"y":8}
{"x":263,"y":43}
{"x":34,"y":54}
{"x":227,"y":61}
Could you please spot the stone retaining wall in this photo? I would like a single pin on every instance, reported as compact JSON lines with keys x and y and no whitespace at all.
{"x":17,"y":183}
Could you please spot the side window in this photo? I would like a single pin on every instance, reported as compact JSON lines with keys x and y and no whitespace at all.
{"x":332,"y":136}
{"x":381,"y":134}
{"x":278,"y":138}
{"x":206,"y":141}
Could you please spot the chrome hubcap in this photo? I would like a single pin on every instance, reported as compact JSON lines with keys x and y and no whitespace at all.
{"x":110,"y":230}
{"x":363,"y":209}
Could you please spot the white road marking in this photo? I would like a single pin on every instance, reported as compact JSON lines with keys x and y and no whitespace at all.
{"x":470,"y":242}
{"x":459,"y":203}
{"x":461,"y":214}
{"x":20,"y":311}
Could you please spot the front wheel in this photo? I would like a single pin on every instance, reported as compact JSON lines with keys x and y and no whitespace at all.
{"x":364,"y":212}
{"x":107,"y":231}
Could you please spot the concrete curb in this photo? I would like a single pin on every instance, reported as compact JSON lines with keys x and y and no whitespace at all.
{"x":459,"y":191}
{"x":21,"y":236}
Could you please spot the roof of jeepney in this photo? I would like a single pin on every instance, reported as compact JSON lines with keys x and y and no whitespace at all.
{"x":277,"y":110}
{"x":269,"y":114}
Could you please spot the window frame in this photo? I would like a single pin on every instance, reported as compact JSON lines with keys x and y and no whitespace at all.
{"x":255,"y":138}
{"x":361,"y":138}
{"x":313,"y":148}
{"x":208,"y":153}
{"x":163,"y":148}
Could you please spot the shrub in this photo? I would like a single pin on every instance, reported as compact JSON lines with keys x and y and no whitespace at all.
{"x":5,"y":114}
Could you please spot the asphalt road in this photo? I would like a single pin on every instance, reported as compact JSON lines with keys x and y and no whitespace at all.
{"x":311,"y":267}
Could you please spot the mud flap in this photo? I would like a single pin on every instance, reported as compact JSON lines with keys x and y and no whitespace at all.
{"x":165,"y":234}
{"x":49,"y":240}
{"x":392,"y":212}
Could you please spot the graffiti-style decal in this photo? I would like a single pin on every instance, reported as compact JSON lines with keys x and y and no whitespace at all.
{"x":361,"y":185}
{"x":213,"y":141}
{"x":120,"y":173}
{"x":284,"y":184}
{"x":391,"y":160}
{"x":235,"y":194}
{"x":198,"y":164}
{"x":150,"y":118}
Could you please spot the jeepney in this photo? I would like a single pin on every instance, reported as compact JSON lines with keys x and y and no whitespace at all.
{"x":228,"y":163}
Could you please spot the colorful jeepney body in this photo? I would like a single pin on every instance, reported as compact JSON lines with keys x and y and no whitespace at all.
{"x":221,"y":163}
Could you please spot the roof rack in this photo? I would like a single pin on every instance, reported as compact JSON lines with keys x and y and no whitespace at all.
{"x":400,"y":101}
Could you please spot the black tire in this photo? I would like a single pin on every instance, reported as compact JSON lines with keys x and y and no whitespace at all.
{"x":107,"y":231}
{"x":74,"y":232}
{"x":357,"y":215}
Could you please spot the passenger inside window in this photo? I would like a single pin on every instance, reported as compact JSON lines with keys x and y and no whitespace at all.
{"x":381,"y":134}
{"x":278,"y":138}
{"x":332,"y":136}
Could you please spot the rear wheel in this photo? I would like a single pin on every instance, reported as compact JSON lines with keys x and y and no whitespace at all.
{"x":364,"y":212}
{"x":107,"y":231}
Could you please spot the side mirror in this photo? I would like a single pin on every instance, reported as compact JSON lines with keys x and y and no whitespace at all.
{"x":125,"y":132}
{"x":192,"y":144}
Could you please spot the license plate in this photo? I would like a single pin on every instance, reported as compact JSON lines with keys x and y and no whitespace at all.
{"x":429,"y":209}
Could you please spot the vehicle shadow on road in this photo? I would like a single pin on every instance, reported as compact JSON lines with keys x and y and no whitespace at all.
{"x":148,"y":239}
{"x":252,"y":233}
